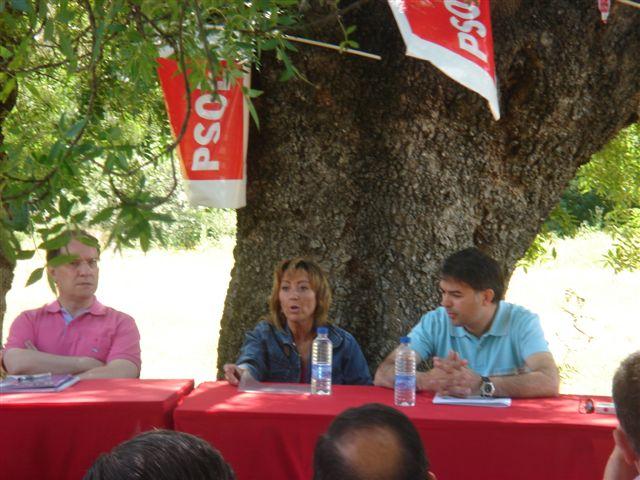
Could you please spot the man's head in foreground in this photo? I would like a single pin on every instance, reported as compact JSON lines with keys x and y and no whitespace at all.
{"x":161,"y":455}
{"x":372,"y":442}
{"x":626,"y":396}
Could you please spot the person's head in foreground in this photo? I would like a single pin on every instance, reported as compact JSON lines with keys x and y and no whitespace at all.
{"x":371,"y":442}
{"x":161,"y":455}
{"x":624,"y":462}
{"x":300,"y":294}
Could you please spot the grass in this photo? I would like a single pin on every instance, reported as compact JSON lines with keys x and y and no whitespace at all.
{"x":589,"y":313}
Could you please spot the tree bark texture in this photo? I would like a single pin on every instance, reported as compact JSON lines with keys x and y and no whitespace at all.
{"x":7,"y":266}
{"x":380,"y":170}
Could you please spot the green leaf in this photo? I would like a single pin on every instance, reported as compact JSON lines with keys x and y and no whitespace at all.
{"x":64,"y":206}
{"x":269,"y":44}
{"x":49,"y":30}
{"x":7,"y":89}
{"x":102,"y":215}
{"x":5,"y":53}
{"x":253,"y":112}
{"x":21,"y":5}
{"x":25,"y":254}
{"x":78,"y":217}
{"x":46,"y":232}
{"x":56,"y":242}
{"x":61,"y":260}
{"x":88,"y":241}
{"x":35,"y":276}
{"x":75,"y":129}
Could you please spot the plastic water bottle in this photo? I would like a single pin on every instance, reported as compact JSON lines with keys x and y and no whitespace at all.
{"x":405,"y":385}
{"x":321,"y":363}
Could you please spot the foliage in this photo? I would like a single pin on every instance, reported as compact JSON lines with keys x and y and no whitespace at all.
{"x":606,"y":195}
{"x":81,"y":112}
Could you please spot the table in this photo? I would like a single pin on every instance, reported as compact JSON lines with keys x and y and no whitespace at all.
{"x":271,"y":436}
{"x":59,"y":435}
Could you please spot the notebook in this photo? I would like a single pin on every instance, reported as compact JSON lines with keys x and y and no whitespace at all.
{"x":44,"y":382}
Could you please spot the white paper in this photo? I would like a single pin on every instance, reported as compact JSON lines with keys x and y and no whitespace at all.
{"x":250,"y":384}
{"x":475,"y":401}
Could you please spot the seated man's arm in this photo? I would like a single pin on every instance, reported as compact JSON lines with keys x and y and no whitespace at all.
{"x":386,"y":374}
{"x":123,"y":359}
{"x":114,"y":369}
{"x":21,"y":357}
{"x":541,"y":379}
{"x":29,"y":361}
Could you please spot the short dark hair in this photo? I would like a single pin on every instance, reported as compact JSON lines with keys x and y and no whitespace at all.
{"x":475,"y":268}
{"x":626,"y":397}
{"x":161,"y":455}
{"x":75,"y":234}
{"x":329,"y":463}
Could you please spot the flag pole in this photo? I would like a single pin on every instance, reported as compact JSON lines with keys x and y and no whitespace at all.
{"x":631,"y":3}
{"x":333,"y":47}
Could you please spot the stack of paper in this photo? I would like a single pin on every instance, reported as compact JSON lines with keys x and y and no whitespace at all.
{"x":45,"y":382}
{"x":472,"y":401}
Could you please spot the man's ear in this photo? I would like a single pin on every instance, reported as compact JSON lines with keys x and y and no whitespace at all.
{"x":622,"y":441}
{"x":488,"y":295}
{"x":431,"y":476}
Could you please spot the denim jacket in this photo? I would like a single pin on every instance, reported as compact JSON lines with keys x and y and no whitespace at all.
{"x":271,"y":356}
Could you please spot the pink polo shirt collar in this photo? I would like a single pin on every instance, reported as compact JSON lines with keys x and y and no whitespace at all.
{"x":96,"y":308}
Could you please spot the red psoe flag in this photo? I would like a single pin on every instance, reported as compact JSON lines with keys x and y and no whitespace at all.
{"x":605,"y":8}
{"x":213,"y":148}
{"x":454,"y":35}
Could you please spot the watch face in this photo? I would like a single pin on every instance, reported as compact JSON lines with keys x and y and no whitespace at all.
{"x":487,"y":389}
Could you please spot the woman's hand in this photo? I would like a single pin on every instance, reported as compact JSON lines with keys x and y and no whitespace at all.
{"x":232,"y":373}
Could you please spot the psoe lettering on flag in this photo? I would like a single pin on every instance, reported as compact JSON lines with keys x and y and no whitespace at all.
{"x":213,"y":148}
{"x":454,"y":35}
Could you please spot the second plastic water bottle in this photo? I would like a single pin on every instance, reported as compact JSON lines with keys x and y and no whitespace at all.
{"x":321,"y":363}
{"x":405,"y":384}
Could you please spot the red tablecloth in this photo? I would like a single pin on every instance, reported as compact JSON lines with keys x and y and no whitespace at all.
{"x":59,"y":435}
{"x":270,"y":436}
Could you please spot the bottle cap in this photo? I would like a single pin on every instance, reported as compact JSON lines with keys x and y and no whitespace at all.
{"x":323,"y":330}
{"x":406,"y":340}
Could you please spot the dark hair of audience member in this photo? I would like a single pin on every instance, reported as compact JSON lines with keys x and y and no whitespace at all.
{"x":476,"y":269}
{"x":626,"y":397}
{"x":370,"y":420}
{"x":161,"y":455}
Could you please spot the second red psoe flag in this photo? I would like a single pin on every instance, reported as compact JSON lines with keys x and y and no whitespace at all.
{"x":213,"y":148}
{"x":454,"y":35}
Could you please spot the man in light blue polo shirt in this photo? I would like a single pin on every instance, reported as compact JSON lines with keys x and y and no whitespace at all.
{"x":480,"y":344}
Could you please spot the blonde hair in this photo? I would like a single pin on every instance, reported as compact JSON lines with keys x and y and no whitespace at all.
{"x":319,"y":283}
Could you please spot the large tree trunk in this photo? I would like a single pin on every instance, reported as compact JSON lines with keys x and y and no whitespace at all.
{"x":381,"y":169}
{"x":7,"y":266}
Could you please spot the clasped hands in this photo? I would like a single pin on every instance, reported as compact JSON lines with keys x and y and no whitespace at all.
{"x":451,"y":376}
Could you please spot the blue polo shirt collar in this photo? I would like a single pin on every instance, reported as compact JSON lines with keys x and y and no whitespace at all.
{"x":499,"y":325}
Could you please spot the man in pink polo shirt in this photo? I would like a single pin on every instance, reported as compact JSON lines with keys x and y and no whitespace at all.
{"x":76,"y":333}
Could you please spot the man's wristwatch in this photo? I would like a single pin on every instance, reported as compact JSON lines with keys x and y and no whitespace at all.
{"x":487,"y":388}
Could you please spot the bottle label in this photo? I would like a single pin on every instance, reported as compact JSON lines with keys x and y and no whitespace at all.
{"x":321,"y":371}
{"x":407,"y":382}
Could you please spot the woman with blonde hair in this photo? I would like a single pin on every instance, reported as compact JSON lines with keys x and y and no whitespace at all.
{"x":279,"y":350}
